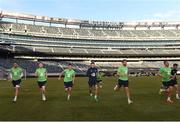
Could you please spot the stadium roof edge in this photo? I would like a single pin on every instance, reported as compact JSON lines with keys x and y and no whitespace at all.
{"x":87,"y":23}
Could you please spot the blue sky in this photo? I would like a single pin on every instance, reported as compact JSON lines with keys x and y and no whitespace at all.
{"x":107,"y":10}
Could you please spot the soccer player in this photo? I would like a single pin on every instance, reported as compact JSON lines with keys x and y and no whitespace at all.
{"x":174,"y":79}
{"x":165,"y":74}
{"x":41,"y":73}
{"x":122,"y":73}
{"x":92,"y":74}
{"x":16,"y":74}
{"x":99,"y":78}
{"x":69,"y":78}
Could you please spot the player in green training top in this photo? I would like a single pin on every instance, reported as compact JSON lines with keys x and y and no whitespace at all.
{"x":41,"y":73}
{"x":69,"y":78}
{"x":166,"y":77}
{"x":16,"y":74}
{"x":122,"y":73}
{"x":100,"y":74}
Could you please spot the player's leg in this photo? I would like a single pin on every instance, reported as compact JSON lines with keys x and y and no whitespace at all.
{"x":175,"y":84}
{"x":16,"y":92}
{"x":162,"y":89}
{"x":69,"y":93}
{"x":117,"y":86}
{"x":177,"y":91}
{"x":70,"y":85}
{"x":96,"y":92}
{"x":100,"y":84}
{"x":16,"y":85}
{"x":90,"y":88}
{"x":42,"y":90}
{"x":169,"y":94}
{"x":126,"y":88}
{"x":66,"y":88}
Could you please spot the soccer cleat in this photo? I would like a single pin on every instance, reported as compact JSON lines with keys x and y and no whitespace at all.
{"x":170,"y":101}
{"x":130,"y":102}
{"x":96,"y":99}
{"x":90,"y":94}
{"x":116,"y":88}
{"x":161,"y":90}
{"x":43,"y":98}
{"x":68,"y":97}
{"x":177,"y":97}
{"x":14,"y":100}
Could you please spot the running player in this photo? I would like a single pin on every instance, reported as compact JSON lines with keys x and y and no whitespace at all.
{"x":99,"y":78}
{"x":92,"y":74}
{"x":16,"y":74}
{"x":69,"y":78}
{"x":41,"y":73}
{"x":174,"y":79}
{"x":165,"y":74}
{"x":122,"y":73}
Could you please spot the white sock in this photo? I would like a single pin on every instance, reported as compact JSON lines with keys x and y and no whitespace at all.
{"x":129,"y":100}
{"x":15,"y":98}
{"x":177,"y":95}
{"x":43,"y":97}
{"x":68,"y":97}
{"x":169,"y":98}
{"x":95,"y":96}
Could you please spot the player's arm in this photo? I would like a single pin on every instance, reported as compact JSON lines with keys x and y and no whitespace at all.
{"x":10,"y":75}
{"x":88,"y":73}
{"x":74,"y":76}
{"x":36,"y":73}
{"x":120,"y":74}
{"x":160,"y":74}
{"x":46,"y":74}
{"x":22,"y":74}
{"x":60,"y":75}
{"x":173,"y":75}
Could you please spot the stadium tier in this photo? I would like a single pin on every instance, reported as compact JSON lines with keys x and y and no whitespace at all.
{"x":97,"y":34}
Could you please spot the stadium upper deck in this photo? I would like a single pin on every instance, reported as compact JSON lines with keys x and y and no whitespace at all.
{"x":85,"y":29}
{"x":28,"y":34}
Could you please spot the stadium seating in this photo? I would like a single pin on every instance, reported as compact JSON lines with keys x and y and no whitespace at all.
{"x":88,"y":33}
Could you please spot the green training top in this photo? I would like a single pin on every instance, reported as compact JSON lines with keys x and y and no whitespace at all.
{"x":68,"y":75}
{"x":99,"y":76}
{"x":41,"y":73}
{"x":122,"y":70}
{"x":166,"y":73}
{"x":16,"y":73}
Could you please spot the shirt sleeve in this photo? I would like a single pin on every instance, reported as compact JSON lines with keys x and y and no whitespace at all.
{"x":160,"y":70}
{"x":74,"y":73}
{"x":120,"y":70}
{"x":36,"y":71}
{"x":87,"y":73}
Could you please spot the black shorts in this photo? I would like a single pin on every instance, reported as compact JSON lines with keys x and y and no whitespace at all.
{"x":68,"y":84}
{"x":92,"y":83}
{"x":174,"y":82}
{"x":167,"y":84}
{"x":42,"y":83}
{"x":16,"y":82}
{"x":124,"y":83}
{"x":99,"y":81}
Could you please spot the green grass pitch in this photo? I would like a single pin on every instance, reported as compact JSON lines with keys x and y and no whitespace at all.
{"x":148,"y":104}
